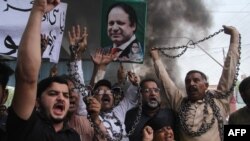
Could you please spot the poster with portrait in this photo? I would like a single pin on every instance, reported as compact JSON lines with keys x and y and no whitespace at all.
{"x":123,"y":29}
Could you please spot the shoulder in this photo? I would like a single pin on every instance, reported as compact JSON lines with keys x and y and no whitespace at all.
{"x":132,"y":111}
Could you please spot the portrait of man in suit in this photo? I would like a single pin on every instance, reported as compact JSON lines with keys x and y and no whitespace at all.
{"x":122,"y":24}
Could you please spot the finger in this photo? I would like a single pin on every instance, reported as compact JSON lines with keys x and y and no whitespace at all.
{"x":73,"y":34}
{"x":85,"y":33}
{"x":78,"y":30}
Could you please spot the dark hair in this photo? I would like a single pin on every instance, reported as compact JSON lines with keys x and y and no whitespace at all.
{"x":128,"y":9}
{"x":244,"y":84}
{"x":201,"y":73}
{"x":45,"y":83}
{"x":5,"y":73}
{"x":161,"y":119}
{"x":148,"y":80}
{"x":103,"y":82}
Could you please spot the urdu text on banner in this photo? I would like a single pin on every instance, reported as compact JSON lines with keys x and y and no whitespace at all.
{"x":14,"y":15}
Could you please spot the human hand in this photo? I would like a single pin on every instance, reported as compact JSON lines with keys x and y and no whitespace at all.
{"x":53,"y":71}
{"x":93,"y":107}
{"x":148,"y":133}
{"x":134,"y":79}
{"x":154,"y":53}
{"x":45,"y":5}
{"x":101,"y":58}
{"x":106,"y":58}
{"x":44,"y":42}
{"x":78,"y":41}
{"x":97,"y":56}
{"x":230,"y":30}
{"x":121,"y":74}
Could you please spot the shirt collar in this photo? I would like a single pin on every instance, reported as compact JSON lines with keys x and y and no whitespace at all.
{"x":123,"y":46}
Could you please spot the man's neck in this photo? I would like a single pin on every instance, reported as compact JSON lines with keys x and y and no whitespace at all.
{"x":58,"y":126}
{"x":124,"y":45}
{"x":151,"y":111}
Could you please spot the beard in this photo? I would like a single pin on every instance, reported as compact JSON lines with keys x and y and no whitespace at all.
{"x":57,"y":120}
{"x":151,"y":104}
{"x":50,"y":117}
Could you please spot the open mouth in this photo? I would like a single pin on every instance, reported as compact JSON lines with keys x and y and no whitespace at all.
{"x":192,"y":89}
{"x":105,"y":99}
{"x":152,"y":99}
{"x":58,"y":108}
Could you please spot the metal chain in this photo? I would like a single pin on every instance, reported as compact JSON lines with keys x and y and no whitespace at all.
{"x":183,"y":114}
{"x":106,"y":135}
{"x":235,"y":75}
{"x":139,"y":112}
{"x":84,"y":91}
{"x":120,"y":136}
{"x":184,"y":47}
{"x":209,"y":100}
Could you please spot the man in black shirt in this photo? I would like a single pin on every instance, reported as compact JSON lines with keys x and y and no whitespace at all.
{"x":151,"y":107}
{"x":5,"y":72}
{"x":50,"y":96}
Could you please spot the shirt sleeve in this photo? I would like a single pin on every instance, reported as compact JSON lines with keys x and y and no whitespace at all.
{"x":229,"y":70}
{"x":77,"y":73}
{"x":173,"y":94}
{"x":129,"y":101}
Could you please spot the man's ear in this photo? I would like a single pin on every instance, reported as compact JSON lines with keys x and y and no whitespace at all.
{"x":207,"y":84}
{"x":5,"y":96}
{"x":133,"y":26}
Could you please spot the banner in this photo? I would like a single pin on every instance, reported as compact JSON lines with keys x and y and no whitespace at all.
{"x":14,"y":15}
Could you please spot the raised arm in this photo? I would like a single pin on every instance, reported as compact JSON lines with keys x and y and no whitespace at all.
{"x":229,"y":68}
{"x":78,"y":44}
{"x":101,"y":59}
{"x":29,"y":60}
{"x":173,"y":94}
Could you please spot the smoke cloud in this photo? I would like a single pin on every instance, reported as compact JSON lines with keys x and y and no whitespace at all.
{"x":168,"y":20}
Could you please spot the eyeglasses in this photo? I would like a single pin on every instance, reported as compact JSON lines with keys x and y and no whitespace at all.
{"x":151,"y":90}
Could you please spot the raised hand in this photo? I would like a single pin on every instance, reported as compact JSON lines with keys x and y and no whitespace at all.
{"x":45,"y":5}
{"x":101,"y":58}
{"x":53,"y":71}
{"x":154,"y":53}
{"x":44,"y":42}
{"x":107,"y":58}
{"x":78,"y":41}
{"x":134,"y":79}
{"x":97,"y":56}
{"x":229,"y":29}
{"x":121,"y":74}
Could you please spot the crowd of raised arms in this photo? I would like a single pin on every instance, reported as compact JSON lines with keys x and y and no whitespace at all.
{"x":62,"y":108}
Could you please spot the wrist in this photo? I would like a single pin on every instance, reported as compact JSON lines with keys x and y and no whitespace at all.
{"x":101,"y":67}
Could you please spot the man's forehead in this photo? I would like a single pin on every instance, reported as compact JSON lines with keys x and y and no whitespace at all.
{"x":119,"y":13}
{"x":103,"y":87}
{"x":150,"y":83}
{"x":193,"y":75}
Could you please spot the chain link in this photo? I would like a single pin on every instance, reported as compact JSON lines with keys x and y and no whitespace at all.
{"x":85,"y":92}
{"x":120,"y":136}
{"x":184,"y":47}
{"x":139,"y":112}
{"x":209,"y":100}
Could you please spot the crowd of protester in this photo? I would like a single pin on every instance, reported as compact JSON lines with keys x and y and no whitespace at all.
{"x":61,"y":107}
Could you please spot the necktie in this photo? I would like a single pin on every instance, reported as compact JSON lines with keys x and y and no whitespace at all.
{"x":115,"y":50}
